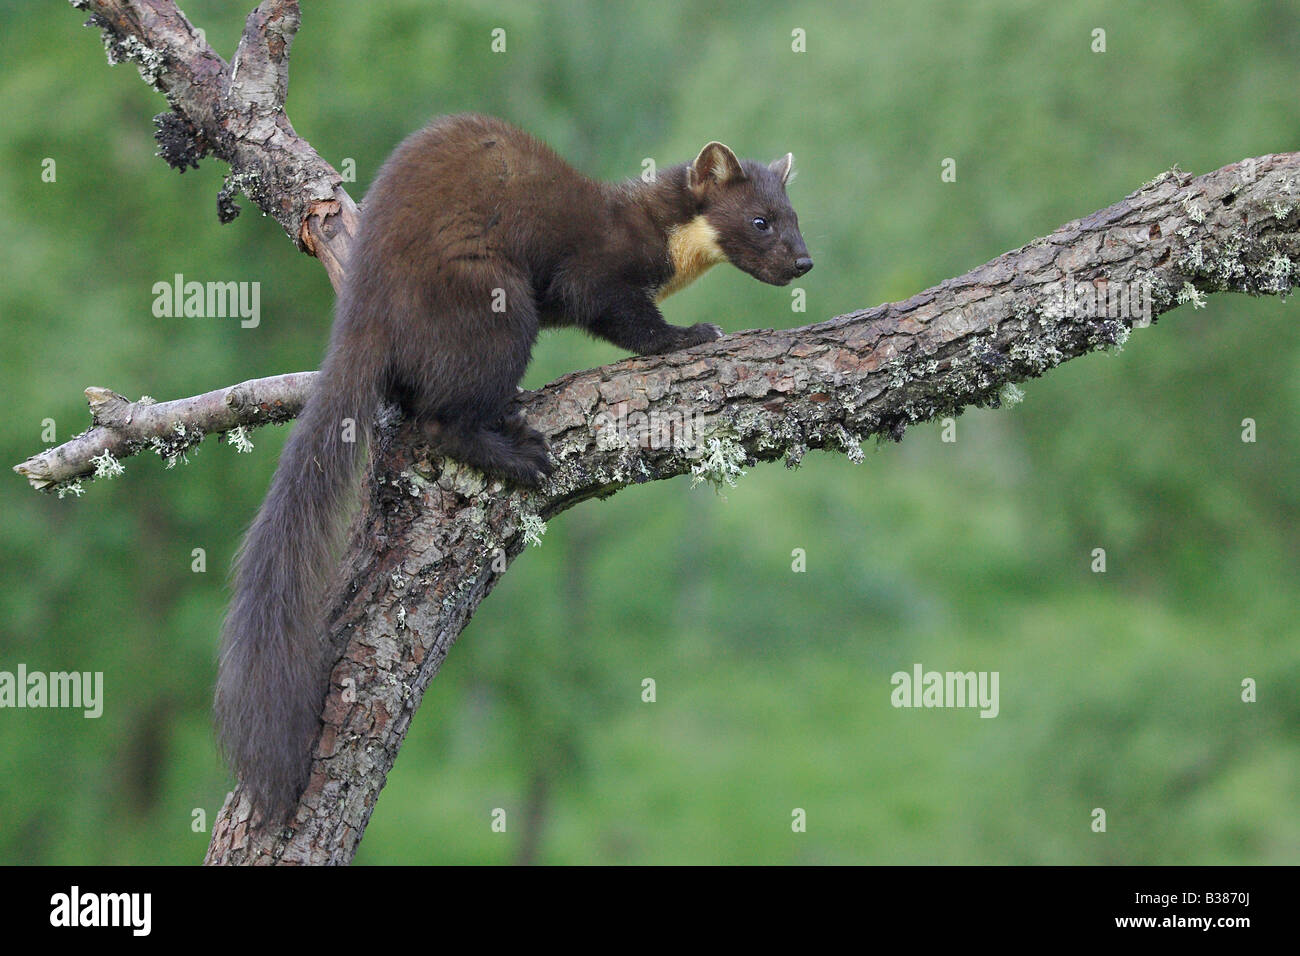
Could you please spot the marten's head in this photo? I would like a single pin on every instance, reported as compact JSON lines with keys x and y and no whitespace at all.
{"x":746,"y":212}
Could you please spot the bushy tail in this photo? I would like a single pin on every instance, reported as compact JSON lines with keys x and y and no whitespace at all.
{"x":273,"y":671}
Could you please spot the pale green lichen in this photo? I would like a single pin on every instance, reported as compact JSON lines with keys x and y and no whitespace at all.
{"x":415,"y":484}
{"x":1277,"y":274}
{"x":106,"y":466}
{"x":609,"y":437}
{"x":1039,"y":354}
{"x":70,"y":488}
{"x":1161,"y":177}
{"x":1194,"y":212}
{"x":1227,"y":268}
{"x":1189,"y":293}
{"x":850,"y":444}
{"x":720,"y":464}
{"x":172,"y":450}
{"x":239,"y":440}
{"x":1011,"y":394}
{"x":906,"y":370}
{"x":151,"y":62}
{"x":464,"y":480}
{"x":1162,"y":296}
{"x":533,"y":528}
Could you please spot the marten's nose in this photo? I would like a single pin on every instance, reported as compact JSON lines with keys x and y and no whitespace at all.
{"x":802,"y":266}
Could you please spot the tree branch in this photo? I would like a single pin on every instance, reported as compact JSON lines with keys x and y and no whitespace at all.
{"x":121,"y":428}
{"x":432,"y":537}
{"x":236,"y":113}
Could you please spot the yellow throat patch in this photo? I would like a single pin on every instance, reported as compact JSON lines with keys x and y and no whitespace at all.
{"x":693,"y":249}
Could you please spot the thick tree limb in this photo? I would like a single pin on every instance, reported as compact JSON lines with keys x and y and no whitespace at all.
{"x":433,"y":538}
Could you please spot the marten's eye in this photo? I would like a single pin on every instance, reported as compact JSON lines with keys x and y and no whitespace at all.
{"x":761,"y":224}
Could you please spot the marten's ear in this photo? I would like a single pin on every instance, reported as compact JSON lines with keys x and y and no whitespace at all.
{"x":784,"y":167}
{"x":715,"y":166}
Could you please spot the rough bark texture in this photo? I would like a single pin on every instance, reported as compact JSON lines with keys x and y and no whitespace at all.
{"x":432,"y":538}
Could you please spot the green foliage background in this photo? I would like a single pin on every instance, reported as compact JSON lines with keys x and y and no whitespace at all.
{"x":1118,"y":690}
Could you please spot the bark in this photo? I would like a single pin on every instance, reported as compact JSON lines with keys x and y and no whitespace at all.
{"x":432,"y":538}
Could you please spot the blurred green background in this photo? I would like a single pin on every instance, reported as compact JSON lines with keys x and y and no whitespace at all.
{"x":1118,"y":690}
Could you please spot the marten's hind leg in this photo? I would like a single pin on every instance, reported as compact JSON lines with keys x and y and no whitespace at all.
{"x":463,"y":382}
{"x":528,"y":439}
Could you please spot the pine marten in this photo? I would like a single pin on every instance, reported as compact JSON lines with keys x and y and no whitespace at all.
{"x":473,"y":236}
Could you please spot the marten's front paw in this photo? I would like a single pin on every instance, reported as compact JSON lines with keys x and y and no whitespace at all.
{"x":676,"y":337}
{"x":702,"y":332}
